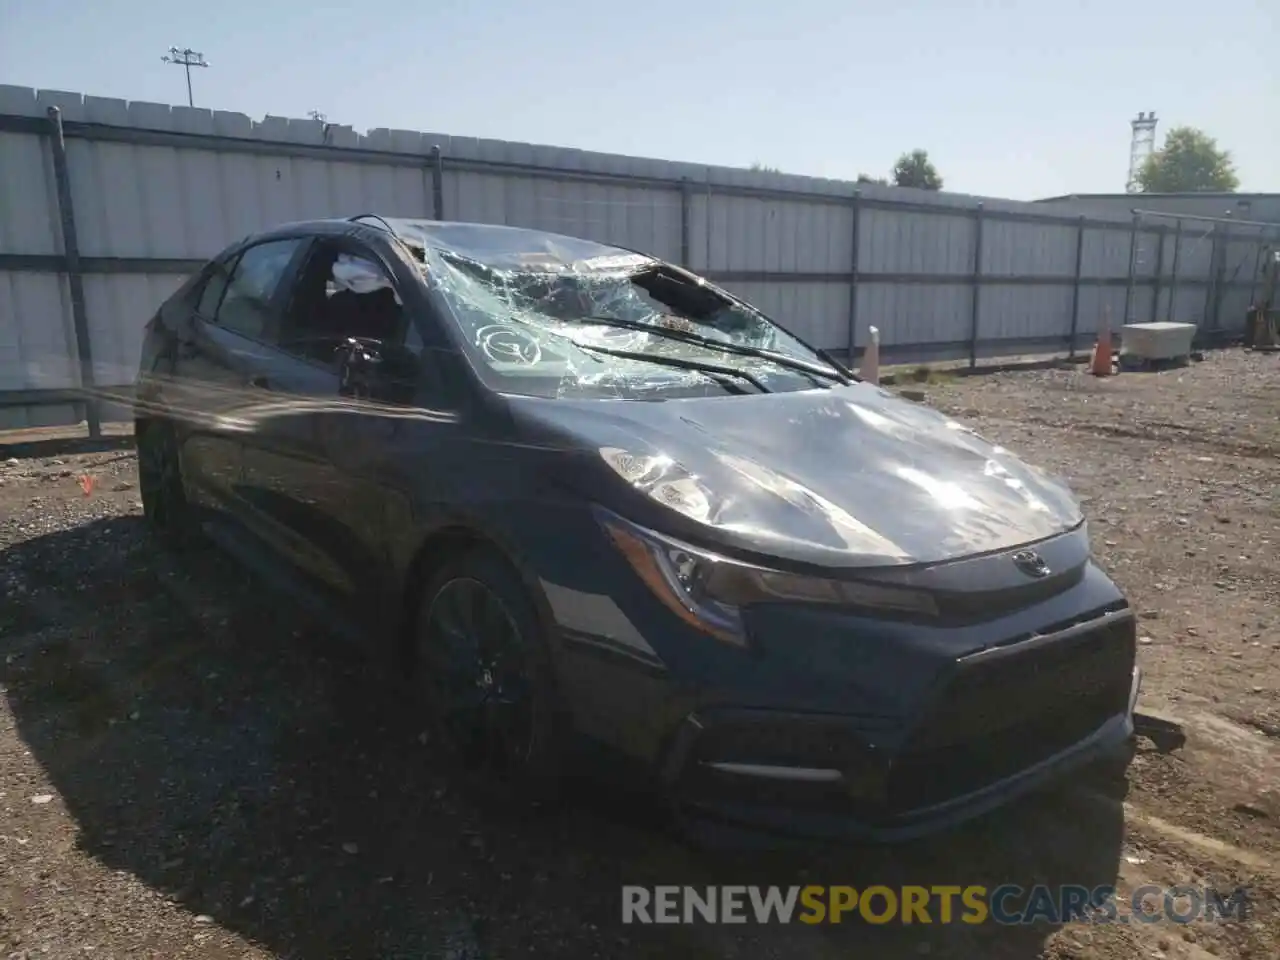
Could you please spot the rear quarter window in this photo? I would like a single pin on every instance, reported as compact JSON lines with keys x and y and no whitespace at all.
{"x":215,"y":285}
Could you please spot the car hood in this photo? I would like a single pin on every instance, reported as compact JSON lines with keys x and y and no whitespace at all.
{"x":850,"y":476}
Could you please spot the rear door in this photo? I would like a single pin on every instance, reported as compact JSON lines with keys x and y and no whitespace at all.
{"x":224,"y":352}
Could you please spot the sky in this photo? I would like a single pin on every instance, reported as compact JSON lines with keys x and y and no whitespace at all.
{"x":1021,"y":99}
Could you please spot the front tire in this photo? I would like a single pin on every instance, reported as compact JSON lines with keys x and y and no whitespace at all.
{"x":483,"y":667}
{"x":164,"y":497}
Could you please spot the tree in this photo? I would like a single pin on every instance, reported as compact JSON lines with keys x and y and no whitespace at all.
{"x":915,"y":169}
{"x":868,"y":178}
{"x":762,"y":168}
{"x":1189,"y":161}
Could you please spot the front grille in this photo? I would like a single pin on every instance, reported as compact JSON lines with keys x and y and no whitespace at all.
{"x":1002,"y":711}
{"x":958,"y":609}
{"x":712,"y":789}
{"x":810,"y":740}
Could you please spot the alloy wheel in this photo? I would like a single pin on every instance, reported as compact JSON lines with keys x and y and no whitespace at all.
{"x":475,"y":666}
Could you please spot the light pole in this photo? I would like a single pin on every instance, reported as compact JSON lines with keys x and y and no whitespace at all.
{"x":188,"y":58}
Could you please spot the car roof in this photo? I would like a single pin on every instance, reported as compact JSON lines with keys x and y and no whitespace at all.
{"x":496,"y":240}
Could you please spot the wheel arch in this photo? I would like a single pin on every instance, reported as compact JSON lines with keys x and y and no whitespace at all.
{"x":445,"y":542}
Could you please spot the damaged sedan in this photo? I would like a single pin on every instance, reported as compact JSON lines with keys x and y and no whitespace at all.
{"x":580,"y":495}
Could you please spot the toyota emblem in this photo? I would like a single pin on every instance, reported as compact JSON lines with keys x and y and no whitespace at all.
{"x":1031,"y":563}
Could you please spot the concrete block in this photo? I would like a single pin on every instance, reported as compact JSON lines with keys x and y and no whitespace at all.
{"x":378,"y":138}
{"x":408,"y":141}
{"x":495,"y":150}
{"x":441,"y":140}
{"x":150,"y":116}
{"x":20,"y":101}
{"x":107,"y":110}
{"x":192,"y":120}
{"x":566,"y":158}
{"x":544,"y":156}
{"x":521,"y":152}
{"x":71,"y":104}
{"x":304,"y":131}
{"x":1157,"y":341}
{"x":272,"y":128}
{"x":466,"y":148}
{"x":228,"y":124}
{"x":343,"y":136}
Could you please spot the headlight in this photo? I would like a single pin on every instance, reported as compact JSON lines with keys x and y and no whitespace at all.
{"x":708,"y":591}
{"x":663,"y":479}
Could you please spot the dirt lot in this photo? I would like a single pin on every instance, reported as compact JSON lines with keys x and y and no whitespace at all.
{"x":188,"y":769}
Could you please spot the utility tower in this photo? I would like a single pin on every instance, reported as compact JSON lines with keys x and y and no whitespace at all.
{"x":186,"y":57}
{"x":1140,"y":147}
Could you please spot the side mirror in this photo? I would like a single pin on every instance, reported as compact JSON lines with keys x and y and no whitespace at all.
{"x":376,"y":370}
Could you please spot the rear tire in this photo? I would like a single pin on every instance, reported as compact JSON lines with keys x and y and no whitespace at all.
{"x":164,"y":496}
{"x":483,"y":669}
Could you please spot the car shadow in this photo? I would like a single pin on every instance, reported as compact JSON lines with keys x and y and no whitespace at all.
{"x":214,"y":745}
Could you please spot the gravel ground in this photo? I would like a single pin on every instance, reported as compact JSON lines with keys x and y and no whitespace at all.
{"x":187,"y":768}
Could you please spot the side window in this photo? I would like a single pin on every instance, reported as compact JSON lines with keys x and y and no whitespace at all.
{"x":244,"y":308}
{"x":340,"y":294}
{"x":214,"y":285}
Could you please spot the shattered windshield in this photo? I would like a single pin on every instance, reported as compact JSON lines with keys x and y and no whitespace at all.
{"x":556,"y":316}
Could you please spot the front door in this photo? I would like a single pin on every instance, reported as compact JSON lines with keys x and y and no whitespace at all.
{"x":312,"y":467}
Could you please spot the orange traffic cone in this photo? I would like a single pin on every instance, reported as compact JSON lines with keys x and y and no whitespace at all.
{"x":870,"y":369}
{"x":1101,"y":365}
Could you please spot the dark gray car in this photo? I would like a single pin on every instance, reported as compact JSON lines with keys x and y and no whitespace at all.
{"x":586,"y":496}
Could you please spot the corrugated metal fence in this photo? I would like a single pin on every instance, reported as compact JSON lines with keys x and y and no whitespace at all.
{"x":106,"y":205}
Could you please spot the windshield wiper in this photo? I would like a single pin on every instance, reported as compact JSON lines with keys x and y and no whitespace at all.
{"x":720,"y":370}
{"x":667,"y":333}
{"x":825,"y":354}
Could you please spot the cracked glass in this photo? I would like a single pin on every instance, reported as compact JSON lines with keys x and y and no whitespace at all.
{"x":548,"y":315}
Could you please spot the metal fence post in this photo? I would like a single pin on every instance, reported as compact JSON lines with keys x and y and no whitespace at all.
{"x":977,"y":287}
{"x":1221,"y":242}
{"x":1173,"y":273}
{"x":437,"y":183}
{"x":686,"y":199}
{"x":1211,"y":281}
{"x":75,"y":276}
{"x":856,"y":207}
{"x":1133,"y":267}
{"x":1075,"y":290}
{"x":1155,"y":290}
{"x":1257,"y":269}
{"x":707,"y":221}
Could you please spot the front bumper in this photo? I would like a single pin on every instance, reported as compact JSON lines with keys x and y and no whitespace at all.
{"x":1003,"y":722}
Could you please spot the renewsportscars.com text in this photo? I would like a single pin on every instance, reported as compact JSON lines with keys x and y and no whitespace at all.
{"x":939,"y":904}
